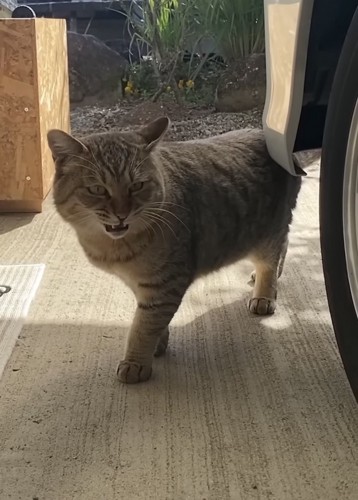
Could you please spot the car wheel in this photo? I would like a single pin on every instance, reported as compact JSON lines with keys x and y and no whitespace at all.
{"x":339,"y":204}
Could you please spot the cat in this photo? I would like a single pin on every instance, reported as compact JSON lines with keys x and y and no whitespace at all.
{"x":160,"y":214}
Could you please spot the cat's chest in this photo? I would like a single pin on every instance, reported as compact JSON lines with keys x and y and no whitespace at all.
{"x":130,"y":273}
{"x":130,"y":267}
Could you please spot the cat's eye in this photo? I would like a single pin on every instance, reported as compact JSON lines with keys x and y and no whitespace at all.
{"x":136,"y":186}
{"x":97,"y":190}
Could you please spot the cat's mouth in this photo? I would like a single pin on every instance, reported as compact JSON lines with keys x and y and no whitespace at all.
{"x":116,"y":230}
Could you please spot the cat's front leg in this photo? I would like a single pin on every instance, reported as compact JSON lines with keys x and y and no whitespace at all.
{"x":148,"y":336}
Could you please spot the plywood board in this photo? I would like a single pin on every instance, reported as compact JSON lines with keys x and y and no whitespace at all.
{"x":33,"y":98}
{"x":53,"y":87}
{"x":20,"y":154}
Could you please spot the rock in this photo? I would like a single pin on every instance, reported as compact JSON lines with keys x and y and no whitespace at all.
{"x":94,"y":68}
{"x":242,"y":86}
{"x":76,"y":89}
{"x":121,"y":46}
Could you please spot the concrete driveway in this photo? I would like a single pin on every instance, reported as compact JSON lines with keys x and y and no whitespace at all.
{"x":240,"y":408}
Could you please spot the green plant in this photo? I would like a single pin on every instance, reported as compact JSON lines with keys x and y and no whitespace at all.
{"x":165,"y":28}
{"x":169,"y":27}
{"x":170,"y":21}
{"x":143,"y":78}
{"x":236,"y":26}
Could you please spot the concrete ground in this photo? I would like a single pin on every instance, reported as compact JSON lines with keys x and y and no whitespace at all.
{"x":241,"y":407}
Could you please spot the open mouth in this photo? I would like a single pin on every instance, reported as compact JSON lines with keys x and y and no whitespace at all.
{"x":116,"y":230}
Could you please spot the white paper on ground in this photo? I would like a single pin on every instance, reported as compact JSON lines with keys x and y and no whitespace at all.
{"x":24,"y":281}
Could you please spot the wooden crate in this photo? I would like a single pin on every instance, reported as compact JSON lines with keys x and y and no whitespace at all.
{"x":34,"y":97}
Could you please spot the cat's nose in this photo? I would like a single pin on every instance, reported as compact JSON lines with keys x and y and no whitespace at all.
{"x":120,"y":208}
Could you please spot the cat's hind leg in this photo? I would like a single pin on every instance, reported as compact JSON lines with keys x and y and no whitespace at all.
{"x":263,"y":300}
{"x":280,"y":266}
{"x":268,"y":267}
{"x":162,"y":343}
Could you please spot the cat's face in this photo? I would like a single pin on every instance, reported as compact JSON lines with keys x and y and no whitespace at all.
{"x":108,"y":182}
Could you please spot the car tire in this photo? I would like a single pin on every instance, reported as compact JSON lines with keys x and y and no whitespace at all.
{"x":338,"y":215}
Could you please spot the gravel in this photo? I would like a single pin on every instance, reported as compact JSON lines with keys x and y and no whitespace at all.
{"x":213,"y":124}
{"x":188,"y":122}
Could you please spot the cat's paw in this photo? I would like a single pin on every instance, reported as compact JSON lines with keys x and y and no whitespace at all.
{"x":130,"y":372}
{"x":262,"y":306}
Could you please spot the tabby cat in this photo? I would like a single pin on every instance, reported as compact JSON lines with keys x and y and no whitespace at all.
{"x":160,"y":214}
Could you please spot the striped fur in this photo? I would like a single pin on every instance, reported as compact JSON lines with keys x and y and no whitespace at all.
{"x":203,"y":204}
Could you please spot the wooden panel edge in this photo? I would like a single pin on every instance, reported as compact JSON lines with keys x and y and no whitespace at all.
{"x":20,"y":206}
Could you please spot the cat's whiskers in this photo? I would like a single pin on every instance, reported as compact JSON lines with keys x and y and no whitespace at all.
{"x":174,"y":215}
{"x":147,"y":226}
{"x":161,"y":203}
{"x":79,"y":218}
{"x":153,"y":221}
{"x":160,"y":218}
{"x":79,"y":213}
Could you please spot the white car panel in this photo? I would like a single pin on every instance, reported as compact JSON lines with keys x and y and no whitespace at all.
{"x":287,"y":29}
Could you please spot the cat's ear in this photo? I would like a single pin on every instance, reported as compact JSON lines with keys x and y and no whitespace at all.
{"x":63,"y":144}
{"x":154,"y":132}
